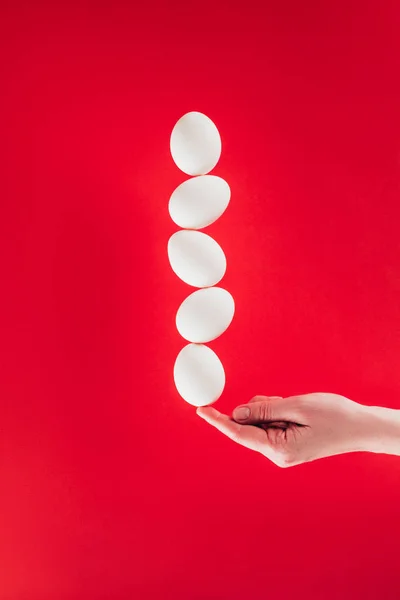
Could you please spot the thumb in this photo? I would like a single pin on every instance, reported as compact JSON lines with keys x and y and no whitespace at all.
{"x":264,"y":411}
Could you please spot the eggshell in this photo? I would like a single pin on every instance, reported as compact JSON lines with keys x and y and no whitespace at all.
{"x":199,"y":375}
{"x":200,"y":201}
{"x":196,"y":258}
{"x":205,"y":315}
{"x":195,"y":144}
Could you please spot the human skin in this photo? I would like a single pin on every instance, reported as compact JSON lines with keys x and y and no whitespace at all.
{"x":299,"y":429}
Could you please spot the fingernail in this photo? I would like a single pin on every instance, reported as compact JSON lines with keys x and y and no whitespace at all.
{"x":241,"y":413}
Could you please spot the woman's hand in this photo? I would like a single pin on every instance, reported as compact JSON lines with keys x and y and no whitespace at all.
{"x":298,"y":429}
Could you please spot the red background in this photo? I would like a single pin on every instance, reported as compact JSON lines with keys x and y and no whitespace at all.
{"x":111,"y":486}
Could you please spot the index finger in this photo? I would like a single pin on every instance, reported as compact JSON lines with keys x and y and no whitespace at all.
{"x":247,"y":435}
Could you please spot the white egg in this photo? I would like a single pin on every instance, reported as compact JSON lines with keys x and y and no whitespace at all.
{"x":205,"y":315}
{"x":196,"y":258}
{"x":199,"y":375}
{"x":198,"y":202}
{"x":195,"y":144}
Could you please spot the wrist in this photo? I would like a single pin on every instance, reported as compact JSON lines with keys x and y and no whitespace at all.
{"x":381,"y":431}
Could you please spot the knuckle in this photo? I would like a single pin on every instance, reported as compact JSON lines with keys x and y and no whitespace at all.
{"x":265,"y":411}
{"x":302,"y":402}
{"x":285,"y":459}
{"x":237,"y":435}
{"x":257,"y":398}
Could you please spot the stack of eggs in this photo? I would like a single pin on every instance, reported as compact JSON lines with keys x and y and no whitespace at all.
{"x":197,"y":259}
